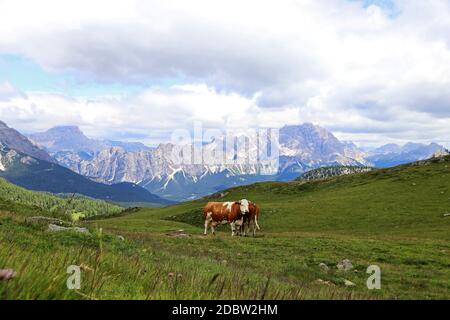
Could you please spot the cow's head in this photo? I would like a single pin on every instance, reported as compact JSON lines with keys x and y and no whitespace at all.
{"x":243,"y":204}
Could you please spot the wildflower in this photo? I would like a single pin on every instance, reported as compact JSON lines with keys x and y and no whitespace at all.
{"x":6,"y":274}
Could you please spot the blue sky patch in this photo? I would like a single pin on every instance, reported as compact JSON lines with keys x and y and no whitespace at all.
{"x":27,"y":75}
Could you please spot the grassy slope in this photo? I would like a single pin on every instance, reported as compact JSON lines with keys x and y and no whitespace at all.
{"x":392,"y":218}
{"x":53,"y":205}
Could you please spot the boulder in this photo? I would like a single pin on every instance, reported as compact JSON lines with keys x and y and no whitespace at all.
{"x":345,"y":265}
{"x":56,"y":228}
{"x":41,"y":220}
{"x":323,"y":266}
{"x":348,"y":283}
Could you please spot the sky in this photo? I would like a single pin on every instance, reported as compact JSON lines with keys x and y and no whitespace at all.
{"x":370,"y":71}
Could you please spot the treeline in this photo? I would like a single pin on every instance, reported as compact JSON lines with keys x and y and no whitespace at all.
{"x":74,"y":207}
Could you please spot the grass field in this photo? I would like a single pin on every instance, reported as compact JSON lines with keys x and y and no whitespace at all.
{"x":393,"y":218}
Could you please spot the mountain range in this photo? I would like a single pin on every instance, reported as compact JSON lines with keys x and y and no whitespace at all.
{"x":27,"y":165}
{"x":391,"y":155}
{"x":301,"y":149}
{"x":70,"y":138}
{"x":100,"y":168}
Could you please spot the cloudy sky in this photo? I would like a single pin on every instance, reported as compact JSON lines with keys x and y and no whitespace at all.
{"x":372,"y":71}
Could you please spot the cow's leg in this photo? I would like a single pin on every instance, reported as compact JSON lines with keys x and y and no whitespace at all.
{"x":233,"y":227}
{"x":207,"y":222}
{"x":237,"y":227}
{"x":255,"y":225}
{"x":213,"y":225}
{"x":206,"y":227}
{"x":241,"y":224}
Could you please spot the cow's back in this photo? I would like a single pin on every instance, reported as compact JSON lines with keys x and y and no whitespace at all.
{"x":217,"y":210}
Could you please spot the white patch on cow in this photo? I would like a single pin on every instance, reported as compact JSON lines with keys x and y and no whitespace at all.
{"x":228,"y":205}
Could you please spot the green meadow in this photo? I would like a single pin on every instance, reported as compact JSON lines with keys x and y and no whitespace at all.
{"x":393,"y":218}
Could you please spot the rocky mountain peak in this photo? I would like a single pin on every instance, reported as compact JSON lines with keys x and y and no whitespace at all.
{"x":314,"y":144}
{"x":306,"y":134}
{"x":66,"y":130}
{"x":12,"y":139}
{"x":71,"y":138}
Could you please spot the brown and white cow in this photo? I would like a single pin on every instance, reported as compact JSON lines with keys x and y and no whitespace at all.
{"x":232,"y":212}
{"x":251,"y":219}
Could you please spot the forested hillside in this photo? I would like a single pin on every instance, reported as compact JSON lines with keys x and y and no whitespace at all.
{"x":70,"y":207}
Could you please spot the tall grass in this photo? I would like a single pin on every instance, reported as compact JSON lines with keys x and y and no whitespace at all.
{"x":115,"y":269}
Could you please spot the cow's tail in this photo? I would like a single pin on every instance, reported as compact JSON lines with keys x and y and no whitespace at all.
{"x":256,"y":222}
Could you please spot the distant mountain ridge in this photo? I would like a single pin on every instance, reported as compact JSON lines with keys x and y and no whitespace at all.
{"x":71,"y":138}
{"x":302,"y":148}
{"x":391,"y":155}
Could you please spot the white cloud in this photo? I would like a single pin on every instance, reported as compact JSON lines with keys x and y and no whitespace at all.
{"x":364,"y":72}
{"x":151,"y":115}
{"x":8,"y":91}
